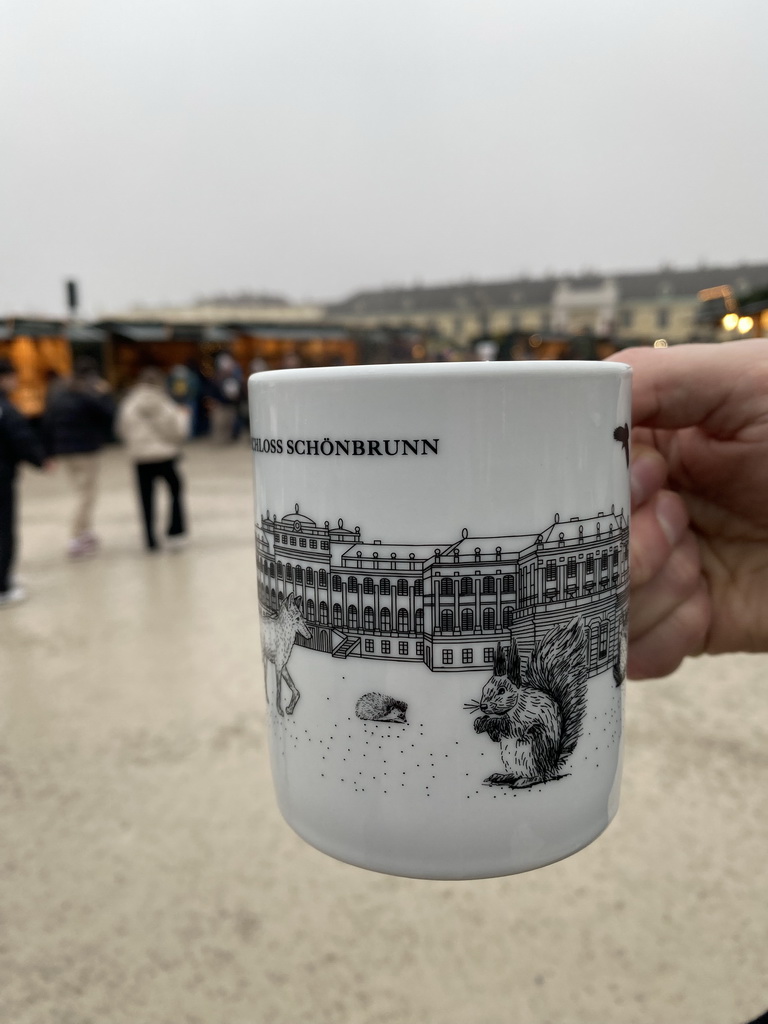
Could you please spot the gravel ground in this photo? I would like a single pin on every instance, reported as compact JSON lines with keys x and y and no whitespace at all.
{"x":146,"y":876}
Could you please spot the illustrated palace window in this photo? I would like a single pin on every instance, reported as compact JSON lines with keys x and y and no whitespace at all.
{"x":489,"y":618}
{"x":323,"y":613}
{"x":310,"y":577}
{"x":467,"y":619}
{"x":489,"y":584}
{"x":369,"y":621}
{"x":367,"y":585}
{"x":508,"y":584}
{"x":403,"y":647}
{"x":385,"y":586}
{"x":352,"y":584}
{"x":489,"y":655}
{"x":336,"y":583}
{"x":467,"y":656}
{"x":467,"y":585}
{"x":446,"y":586}
{"x":447,"y":657}
{"x":369,"y":646}
{"x":322,"y":578}
{"x":402,"y":587}
{"x":446,"y":620}
{"x":337,"y":615}
{"x":385,"y":646}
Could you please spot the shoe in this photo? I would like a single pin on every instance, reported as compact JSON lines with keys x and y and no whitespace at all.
{"x":176,"y":541}
{"x":13,"y":596}
{"x":82,"y":546}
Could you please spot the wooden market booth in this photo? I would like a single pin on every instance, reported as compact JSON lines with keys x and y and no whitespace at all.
{"x":132,"y":344}
{"x":40,"y":351}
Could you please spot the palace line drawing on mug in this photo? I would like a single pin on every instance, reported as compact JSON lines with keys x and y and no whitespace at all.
{"x":423,"y":676}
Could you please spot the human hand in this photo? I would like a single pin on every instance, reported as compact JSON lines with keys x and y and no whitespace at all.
{"x":699,"y":529}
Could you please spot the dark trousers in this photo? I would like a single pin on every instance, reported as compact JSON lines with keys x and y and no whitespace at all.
{"x":7,"y":529}
{"x":146,"y":474}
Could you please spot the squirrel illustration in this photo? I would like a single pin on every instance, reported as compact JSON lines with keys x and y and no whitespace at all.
{"x":377,"y":707}
{"x":536,"y":719}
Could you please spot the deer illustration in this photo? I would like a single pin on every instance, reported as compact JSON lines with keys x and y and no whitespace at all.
{"x":278,"y":634}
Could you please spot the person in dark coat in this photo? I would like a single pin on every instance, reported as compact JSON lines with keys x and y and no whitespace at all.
{"x":18,"y":443}
{"x":76,"y":425}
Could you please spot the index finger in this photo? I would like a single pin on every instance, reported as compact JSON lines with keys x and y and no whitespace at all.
{"x":685,"y":385}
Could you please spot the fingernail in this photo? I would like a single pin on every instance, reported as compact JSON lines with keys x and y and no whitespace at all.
{"x":672,"y":516}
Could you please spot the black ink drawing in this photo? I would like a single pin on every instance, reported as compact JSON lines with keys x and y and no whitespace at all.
{"x":447,"y":605}
{"x":621,"y":434}
{"x":377,"y":707}
{"x":278,"y":634}
{"x":536,"y":716}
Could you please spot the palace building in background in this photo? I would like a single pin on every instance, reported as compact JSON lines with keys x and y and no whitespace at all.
{"x":633,"y":308}
{"x":447,"y":604}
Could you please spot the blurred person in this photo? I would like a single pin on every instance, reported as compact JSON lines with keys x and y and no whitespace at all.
{"x":225,"y":400}
{"x":184,"y":388}
{"x":699,"y":529}
{"x":154,"y":428}
{"x":76,"y":425}
{"x":18,"y":443}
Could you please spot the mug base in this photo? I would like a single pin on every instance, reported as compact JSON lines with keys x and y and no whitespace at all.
{"x":465,"y":871}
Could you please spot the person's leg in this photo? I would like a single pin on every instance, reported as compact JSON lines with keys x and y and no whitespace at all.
{"x":145,"y":479}
{"x":89,"y":470}
{"x":74,"y":469}
{"x":7,"y":531}
{"x":83,"y":471}
{"x":176,"y":519}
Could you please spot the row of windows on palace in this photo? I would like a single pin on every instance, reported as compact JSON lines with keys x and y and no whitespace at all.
{"x":306,"y":576}
{"x":598,"y":649}
{"x":447,"y":619}
{"x":599,"y":636}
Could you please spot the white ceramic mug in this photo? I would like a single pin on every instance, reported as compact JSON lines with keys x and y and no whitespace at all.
{"x":443,"y":581}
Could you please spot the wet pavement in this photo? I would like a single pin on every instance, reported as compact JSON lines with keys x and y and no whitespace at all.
{"x":146,"y":876}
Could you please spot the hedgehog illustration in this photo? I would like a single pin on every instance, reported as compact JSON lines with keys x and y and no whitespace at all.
{"x":377,"y":707}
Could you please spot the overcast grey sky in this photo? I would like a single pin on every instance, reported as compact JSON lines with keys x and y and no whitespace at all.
{"x":159,"y":150}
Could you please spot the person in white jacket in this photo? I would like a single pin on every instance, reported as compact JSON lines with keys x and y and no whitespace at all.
{"x":153,"y":428}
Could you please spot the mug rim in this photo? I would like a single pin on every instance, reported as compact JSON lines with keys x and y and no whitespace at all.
{"x":489,"y":369}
